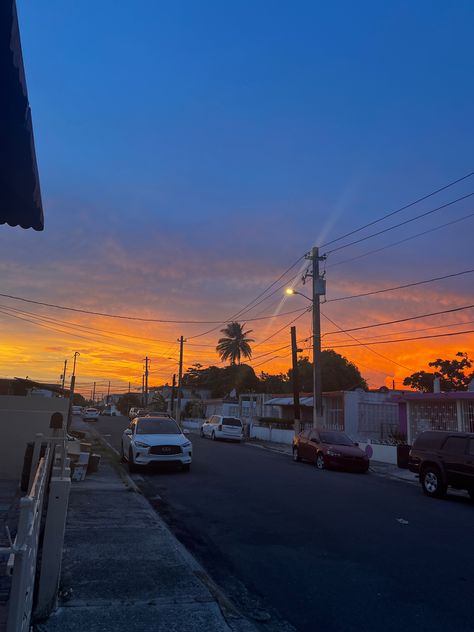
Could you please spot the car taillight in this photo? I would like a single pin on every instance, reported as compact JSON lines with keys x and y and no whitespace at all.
{"x":219,"y":427}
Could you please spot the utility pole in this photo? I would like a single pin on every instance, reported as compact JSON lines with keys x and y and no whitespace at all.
{"x":71,"y":390}
{"x":296,"y":381}
{"x":319,"y":289}
{"x":143,"y":389}
{"x":93,"y":394}
{"x":108,"y":393}
{"x":129,"y":388}
{"x":147,"y":360}
{"x":173,"y":389}
{"x":180,"y":379}
{"x":64,"y":376}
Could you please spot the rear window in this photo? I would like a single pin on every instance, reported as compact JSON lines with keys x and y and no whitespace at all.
{"x":231,"y":421}
{"x":455,"y":445}
{"x":429,"y":441}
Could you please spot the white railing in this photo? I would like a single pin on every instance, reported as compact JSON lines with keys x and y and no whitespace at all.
{"x":25,"y":547}
{"x":24,"y":550}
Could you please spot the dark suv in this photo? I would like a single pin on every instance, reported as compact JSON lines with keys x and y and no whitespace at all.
{"x":442,"y":459}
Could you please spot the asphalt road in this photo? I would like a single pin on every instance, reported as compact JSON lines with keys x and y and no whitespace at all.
{"x":328,"y":551}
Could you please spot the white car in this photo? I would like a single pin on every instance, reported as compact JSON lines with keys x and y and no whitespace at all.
{"x":222,"y":427}
{"x":76,"y":410}
{"x":150,"y":440}
{"x":90,"y":414}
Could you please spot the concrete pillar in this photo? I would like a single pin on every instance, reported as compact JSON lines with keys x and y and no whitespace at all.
{"x":53,"y":540}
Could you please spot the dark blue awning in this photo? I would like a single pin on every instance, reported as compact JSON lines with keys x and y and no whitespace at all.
{"x":20,"y":195}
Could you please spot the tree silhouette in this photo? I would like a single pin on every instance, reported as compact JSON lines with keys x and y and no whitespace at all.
{"x":235,"y":343}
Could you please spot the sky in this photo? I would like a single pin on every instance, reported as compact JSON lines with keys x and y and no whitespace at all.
{"x":190,"y":152}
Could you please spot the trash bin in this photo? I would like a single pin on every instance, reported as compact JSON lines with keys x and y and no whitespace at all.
{"x":402,"y":456}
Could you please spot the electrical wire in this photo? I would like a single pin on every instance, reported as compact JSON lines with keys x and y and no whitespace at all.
{"x":407,"y":221}
{"x":400,"y":287}
{"x":399,"y":210}
{"x":383,"y":342}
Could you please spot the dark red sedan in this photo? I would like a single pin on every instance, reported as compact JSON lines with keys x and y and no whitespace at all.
{"x":329,"y":448}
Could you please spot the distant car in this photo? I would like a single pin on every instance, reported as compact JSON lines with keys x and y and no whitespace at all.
{"x":76,"y":410}
{"x":109,"y":412}
{"x":137,"y":412}
{"x":329,"y":449}
{"x":222,"y":427}
{"x":150,"y":440}
{"x":443,"y":459}
{"x":90,"y":414}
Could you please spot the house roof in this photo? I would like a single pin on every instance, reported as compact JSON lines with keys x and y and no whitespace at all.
{"x":433,"y":397}
{"x":20,"y":196}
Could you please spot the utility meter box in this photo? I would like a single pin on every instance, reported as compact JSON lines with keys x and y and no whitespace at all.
{"x":320,"y":286}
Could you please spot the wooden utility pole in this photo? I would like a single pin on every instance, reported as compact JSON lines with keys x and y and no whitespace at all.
{"x":64,"y":377}
{"x":319,"y":289}
{"x":180,"y":379}
{"x":93,"y":394}
{"x":173,"y":390}
{"x":108,"y":392}
{"x":147,"y":360}
{"x":296,"y":381}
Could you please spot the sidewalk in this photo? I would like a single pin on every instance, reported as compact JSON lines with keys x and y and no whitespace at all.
{"x":123,"y":570}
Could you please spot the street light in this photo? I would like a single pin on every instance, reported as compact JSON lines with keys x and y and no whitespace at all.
{"x":290,"y":291}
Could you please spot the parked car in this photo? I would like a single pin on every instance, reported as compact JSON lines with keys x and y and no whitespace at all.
{"x":150,"y":440}
{"x":443,"y":459}
{"x":329,"y":449}
{"x":109,"y":411}
{"x":132,"y":413}
{"x":137,"y":412}
{"x":76,"y":410}
{"x":222,"y":427}
{"x":90,"y":414}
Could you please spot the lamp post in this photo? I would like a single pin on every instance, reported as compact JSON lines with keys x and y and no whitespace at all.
{"x":71,"y":389}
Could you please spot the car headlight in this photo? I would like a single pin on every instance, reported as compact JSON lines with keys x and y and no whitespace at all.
{"x":139,"y":444}
{"x":186,"y":445}
{"x":333,"y":453}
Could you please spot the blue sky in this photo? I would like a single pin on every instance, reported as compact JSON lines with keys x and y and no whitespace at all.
{"x":190,"y":151}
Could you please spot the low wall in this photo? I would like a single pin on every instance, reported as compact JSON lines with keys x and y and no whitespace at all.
{"x":21,"y":419}
{"x":192,"y":424}
{"x":382,"y":453}
{"x":277,"y":435}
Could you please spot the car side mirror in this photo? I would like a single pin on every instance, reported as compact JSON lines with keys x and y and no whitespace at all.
{"x":128,"y":431}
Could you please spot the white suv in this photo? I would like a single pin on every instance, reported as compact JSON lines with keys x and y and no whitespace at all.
{"x":222,"y":427}
{"x":90,"y":414}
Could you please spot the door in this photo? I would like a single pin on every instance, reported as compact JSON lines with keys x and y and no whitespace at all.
{"x":453,"y":453}
{"x":304,"y":449}
{"x":314,"y":444}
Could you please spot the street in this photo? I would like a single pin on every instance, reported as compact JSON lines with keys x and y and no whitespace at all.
{"x":326,"y":550}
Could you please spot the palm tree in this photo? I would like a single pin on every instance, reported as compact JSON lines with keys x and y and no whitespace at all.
{"x":235,"y":343}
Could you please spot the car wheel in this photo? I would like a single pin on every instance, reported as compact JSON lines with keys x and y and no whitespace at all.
{"x":296,"y":456}
{"x":186,"y":467}
{"x":213,"y":436}
{"x":432,"y":482}
{"x":320,"y":461}
{"x":132,"y":467}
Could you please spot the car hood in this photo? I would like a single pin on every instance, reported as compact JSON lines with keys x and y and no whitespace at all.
{"x":161,"y":439}
{"x":346,"y":450}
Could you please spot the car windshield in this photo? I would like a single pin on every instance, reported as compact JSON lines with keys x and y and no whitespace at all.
{"x":336,"y":438}
{"x":157,"y":426}
{"x":231,"y":421}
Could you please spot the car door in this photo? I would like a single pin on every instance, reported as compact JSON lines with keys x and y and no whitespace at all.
{"x":207,"y":426}
{"x":303,"y":439}
{"x":470,"y":464}
{"x":313,"y":444}
{"x":454,"y":455}
{"x":127,"y":437}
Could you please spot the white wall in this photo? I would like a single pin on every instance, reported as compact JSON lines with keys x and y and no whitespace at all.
{"x":382,"y":453}
{"x":276,"y":435}
{"x":21,"y":418}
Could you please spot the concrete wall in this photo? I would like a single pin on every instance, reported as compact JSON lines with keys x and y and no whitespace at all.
{"x":21,"y":418}
{"x":276,"y":435}
{"x":382,"y":453}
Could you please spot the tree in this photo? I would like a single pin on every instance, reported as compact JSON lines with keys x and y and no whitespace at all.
{"x":337,"y":372}
{"x":235,"y":343}
{"x":192,"y":377}
{"x":452,"y":374}
{"x":127,"y":401}
{"x":79,"y":400}
{"x":159,"y":403}
{"x":278,"y":383}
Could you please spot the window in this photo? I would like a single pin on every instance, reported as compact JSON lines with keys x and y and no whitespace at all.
{"x":157,"y":426}
{"x":231,"y":421}
{"x":314,"y":436}
{"x":455,"y":445}
{"x":336,"y":438}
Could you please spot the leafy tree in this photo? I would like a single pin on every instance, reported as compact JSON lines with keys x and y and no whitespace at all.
{"x":192,"y":377}
{"x":79,"y":400}
{"x":279,"y":383}
{"x":452,"y":374}
{"x":337,"y":372}
{"x":235,"y":343}
{"x":159,"y":403}
{"x":194,"y":409}
{"x":127,"y":401}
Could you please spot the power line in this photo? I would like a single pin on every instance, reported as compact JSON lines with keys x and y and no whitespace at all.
{"x":282,"y":328}
{"x":399,"y":210}
{"x":400,"y":287}
{"x":138,"y":318}
{"x":384,"y":342}
{"x":400,"y":241}
{"x":407,"y":221}
{"x":403,"y":320}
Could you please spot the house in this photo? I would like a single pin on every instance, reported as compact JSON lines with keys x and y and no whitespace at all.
{"x":452,"y":411}
{"x":364,"y":415}
{"x":29,"y":388}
